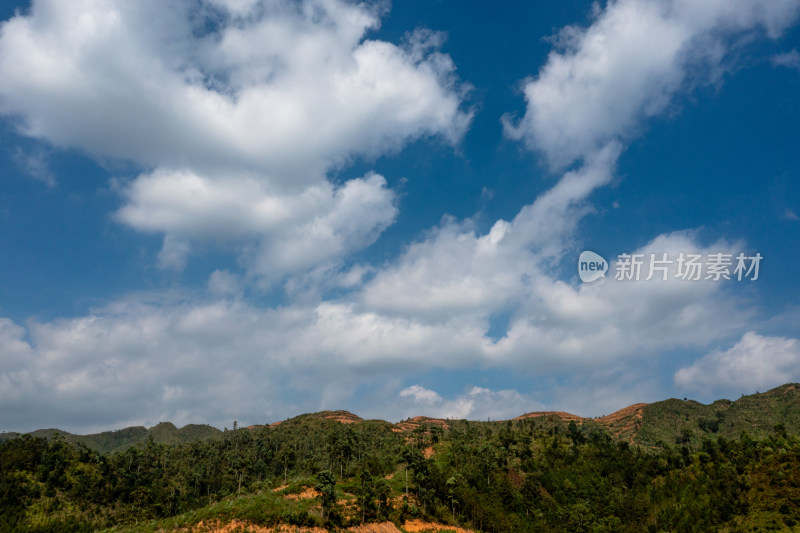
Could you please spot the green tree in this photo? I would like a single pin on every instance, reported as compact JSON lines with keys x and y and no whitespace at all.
{"x":326,"y":485}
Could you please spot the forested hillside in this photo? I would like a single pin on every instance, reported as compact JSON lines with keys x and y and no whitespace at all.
{"x":679,"y":421}
{"x":112,"y":441}
{"x":334,"y":470}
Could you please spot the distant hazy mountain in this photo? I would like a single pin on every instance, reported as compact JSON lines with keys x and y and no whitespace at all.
{"x":110,"y":441}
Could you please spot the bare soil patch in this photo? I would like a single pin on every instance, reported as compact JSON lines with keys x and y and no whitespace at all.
{"x":418,"y":526}
{"x":307,"y":494}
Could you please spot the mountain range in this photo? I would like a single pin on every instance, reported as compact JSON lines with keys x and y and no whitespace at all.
{"x":671,"y":421}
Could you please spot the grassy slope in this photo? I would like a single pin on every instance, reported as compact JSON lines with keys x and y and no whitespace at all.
{"x":757,"y":414}
{"x":264,"y":508}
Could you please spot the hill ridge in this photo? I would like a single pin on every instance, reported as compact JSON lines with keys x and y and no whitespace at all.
{"x":120,"y":439}
{"x":671,"y":421}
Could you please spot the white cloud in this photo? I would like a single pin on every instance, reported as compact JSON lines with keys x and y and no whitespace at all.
{"x":16,"y":351}
{"x":238,"y":125}
{"x":239,"y":146}
{"x":353,"y":278}
{"x":222,"y":283}
{"x":554,"y":326}
{"x":628,"y":65}
{"x":477,"y":403}
{"x":279,"y":234}
{"x":171,"y":357}
{"x":587,"y":100}
{"x":371,"y":342}
{"x":174,"y":253}
{"x":456,"y":275}
{"x":755,"y":362}
{"x":560,"y":326}
{"x":137,"y":362}
{"x":455,"y":271}
{"x":168,"y":356}
{"x":592,"y":95}
{"x":36,"y":165}
{"x":610,"y":389}
{"x":789,"y":59}
{"x":237,"y":8}
{"x":421,"y":395}
{"x":288,"y":93}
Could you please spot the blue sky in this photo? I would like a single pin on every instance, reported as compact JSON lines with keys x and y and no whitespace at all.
{"x":233,"y":210}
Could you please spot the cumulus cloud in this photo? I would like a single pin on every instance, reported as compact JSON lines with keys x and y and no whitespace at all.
{"x":477,"y":403}
{"x":603,"y":80}
{"x":278,"y":234}
{"x":590,"y":97}
{"x":261,"y":125}
{"x":420,"y":395}
{"x":288,"y":91}
{"x":222,"y":283}
{"x":553,"y":325}
{"x":180,"y":358}
{"x":454,"y":272}
{"x":789,"y":59}
{"x":561,"y":326}
{"x":369,"y":342}
{"x":238,"y":111}
{"x":174,"y":253}
{"x":755,"y":362}
{"x":189,"y":359}
{"x":139,"y":361}
{"x":609,"y":390}
{"x":457,"y":271}
{"x":173,"y":357}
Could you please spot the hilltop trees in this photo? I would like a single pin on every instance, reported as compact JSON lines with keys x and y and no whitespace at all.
{"x":524,"y":476}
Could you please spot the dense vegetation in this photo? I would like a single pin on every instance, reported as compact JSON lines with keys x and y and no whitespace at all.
{"x":525,"y":475}
{"x":672,"y":421}
{"x":112,"y":441}
{"x":686,"y":420}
